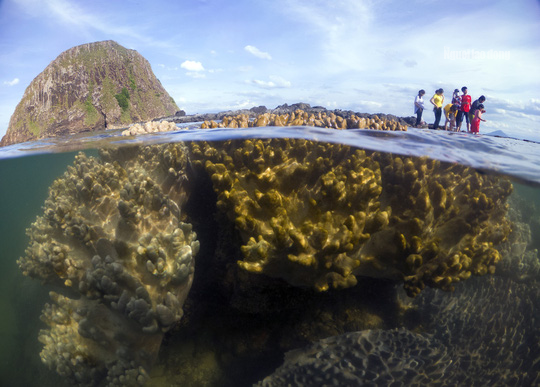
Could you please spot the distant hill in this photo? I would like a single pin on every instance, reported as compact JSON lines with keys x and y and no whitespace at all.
{"x":89,"y":87}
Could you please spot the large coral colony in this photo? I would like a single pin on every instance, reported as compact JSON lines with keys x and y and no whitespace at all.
{"x":116,"y":241}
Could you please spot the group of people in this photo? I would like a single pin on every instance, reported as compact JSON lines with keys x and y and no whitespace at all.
{"x":455,"y":112}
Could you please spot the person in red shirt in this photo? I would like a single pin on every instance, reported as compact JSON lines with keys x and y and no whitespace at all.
{"x":464,"y":110}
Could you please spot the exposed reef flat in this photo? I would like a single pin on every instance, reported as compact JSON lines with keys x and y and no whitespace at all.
{"x":299,"y":114}
{"x":254,"y":113}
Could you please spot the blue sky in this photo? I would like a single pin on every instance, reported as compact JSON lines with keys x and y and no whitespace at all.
{"x":363,"y":55}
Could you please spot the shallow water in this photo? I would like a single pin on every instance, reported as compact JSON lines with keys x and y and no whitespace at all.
{"x":190,"y":355}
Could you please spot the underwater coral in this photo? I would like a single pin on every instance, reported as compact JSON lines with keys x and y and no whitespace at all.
{"x":113,"y":243}
{"x":483,"y":334}
{"x":319,"y":215}
{"x":117,"y":244}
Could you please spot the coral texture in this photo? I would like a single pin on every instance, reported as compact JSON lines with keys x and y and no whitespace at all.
{"x":319,"y":215}
{"x":115,"y":243}
{"x":113,"y":240}
{"x":481,"y":335}
{"x":150,"y":127}
{"x":371,"y":357}
{"x":302,"y":118}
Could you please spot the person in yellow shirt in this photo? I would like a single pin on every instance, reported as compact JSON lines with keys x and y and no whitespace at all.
{"x":437,"y":101}
{"x":450,"y":112}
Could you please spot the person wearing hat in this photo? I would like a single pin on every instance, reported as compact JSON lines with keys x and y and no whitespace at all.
{"x":437,"y":101}
{"x":456,"y":99}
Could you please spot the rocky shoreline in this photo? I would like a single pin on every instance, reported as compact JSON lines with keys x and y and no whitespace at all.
{"x":181,"y":118}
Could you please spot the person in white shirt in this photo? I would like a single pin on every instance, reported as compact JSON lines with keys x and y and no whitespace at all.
{"x":419,"y":107}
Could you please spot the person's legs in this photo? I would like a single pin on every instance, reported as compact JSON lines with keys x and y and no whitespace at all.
{"x":453,"y":123}
{"x":446,"y":122}
{"x":459,"y":119}
{"x":437,"y":118}
{"x":468,"y":123}
{"x":419,"y":116}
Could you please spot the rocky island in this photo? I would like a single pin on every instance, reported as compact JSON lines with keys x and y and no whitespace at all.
{"x":89,"y":87}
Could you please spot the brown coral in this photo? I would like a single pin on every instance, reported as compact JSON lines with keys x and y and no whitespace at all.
{"x":448,"y":218}
{"x":112,"y":237}
{"x":319,"y":214}
{"x":302,"y":118}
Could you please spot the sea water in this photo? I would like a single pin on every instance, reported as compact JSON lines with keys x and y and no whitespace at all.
{"x":27,"y":170}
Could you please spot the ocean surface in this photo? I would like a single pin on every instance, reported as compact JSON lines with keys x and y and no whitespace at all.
{"x":221,"y":353}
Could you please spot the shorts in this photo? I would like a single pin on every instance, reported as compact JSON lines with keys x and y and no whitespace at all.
{"x":460,"y":115}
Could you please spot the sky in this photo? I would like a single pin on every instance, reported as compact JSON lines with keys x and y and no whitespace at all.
{"x":362,"y":55}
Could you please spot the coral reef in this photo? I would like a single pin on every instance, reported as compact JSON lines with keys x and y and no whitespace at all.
{"x":481,"y":335}
{"x":448,"y":219}
{"x":371,"y":357}
{"x":491,"y":327}
{"x":149,"y":127}
{"x":302,"y":118}
{"x":521,"y":261}
{"x":283,"y":220}
{"x":319,"y":215}
{"x":113,"y":241}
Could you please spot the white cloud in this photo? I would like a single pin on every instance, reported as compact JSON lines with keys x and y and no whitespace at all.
{"x":191,"y":65}
{"x":529,"y":108}
{"x":82,"y":18}
{"x":245,"y":69}
{"x":258,"y":53}
{"x":274,"y":83}
{"x":12,"y":82}
{"x":370,"y":105}
{"x":342,"y":28}
{"x":196,"y":74}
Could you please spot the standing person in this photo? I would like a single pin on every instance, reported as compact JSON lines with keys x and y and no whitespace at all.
{"x":450,"y":112}
{"x":475,"y":124}
{"x":419,"y":107}
{"x":437,"y":100}
{"x":456,"y":99}
{"x":475,"y":104}
{"x":464,"y":109}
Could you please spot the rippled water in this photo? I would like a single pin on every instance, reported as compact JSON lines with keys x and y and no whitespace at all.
{"x":515,"y":157}
{"x":27,"y":170}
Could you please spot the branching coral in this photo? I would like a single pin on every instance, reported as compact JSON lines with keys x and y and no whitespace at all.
{"x":448,"y":219}
{"x":303,"y":209}
{"x":319,"y":214}
{"x":112,"y":238}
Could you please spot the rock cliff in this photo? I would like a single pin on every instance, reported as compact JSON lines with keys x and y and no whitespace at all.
{"x":89,"y":87}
